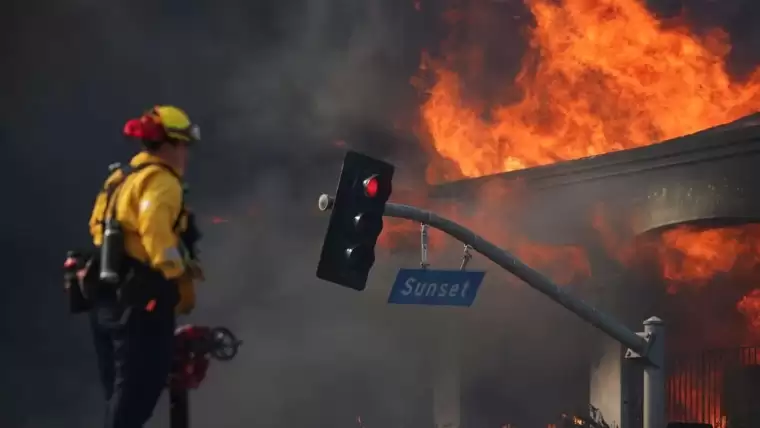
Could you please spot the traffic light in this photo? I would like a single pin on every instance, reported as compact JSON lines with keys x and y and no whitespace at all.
{"x":356,"y":221}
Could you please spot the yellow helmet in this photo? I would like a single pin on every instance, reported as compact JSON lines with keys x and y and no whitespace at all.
{"x":176,"y":123}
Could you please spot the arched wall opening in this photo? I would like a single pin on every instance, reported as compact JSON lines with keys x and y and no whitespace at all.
{"x":703,"y":278}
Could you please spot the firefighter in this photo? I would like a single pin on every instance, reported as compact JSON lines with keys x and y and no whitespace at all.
{"x":138,"y":223}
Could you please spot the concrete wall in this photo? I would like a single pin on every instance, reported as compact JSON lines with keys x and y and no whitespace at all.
{"x":608,"y":384}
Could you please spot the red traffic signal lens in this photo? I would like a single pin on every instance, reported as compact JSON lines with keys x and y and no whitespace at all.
{"x":371,"y":186}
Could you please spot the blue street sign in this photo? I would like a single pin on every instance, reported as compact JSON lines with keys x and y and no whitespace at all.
{"x":435,"y":287}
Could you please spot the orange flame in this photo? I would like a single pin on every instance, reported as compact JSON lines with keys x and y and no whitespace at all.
{"x":602,"y":76}
{"x":694,"y":256}
{"x":689,"y":393}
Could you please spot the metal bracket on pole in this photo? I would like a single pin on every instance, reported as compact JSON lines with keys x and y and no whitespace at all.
{"x":466,"y":257}
{"x":424,"y":246}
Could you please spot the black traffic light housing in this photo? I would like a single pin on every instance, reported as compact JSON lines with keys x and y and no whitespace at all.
{"x":356,"y":221}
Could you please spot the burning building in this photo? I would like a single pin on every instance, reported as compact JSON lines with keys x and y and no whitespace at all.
{"x":684,"y":247}
{"x":572,"y":170}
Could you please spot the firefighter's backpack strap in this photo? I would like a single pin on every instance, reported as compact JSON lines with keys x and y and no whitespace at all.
{"x":111,"y":188}
{"x":127,"y":170}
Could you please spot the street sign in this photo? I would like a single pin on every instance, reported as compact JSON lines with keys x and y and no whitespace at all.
{"x":435,"y":287}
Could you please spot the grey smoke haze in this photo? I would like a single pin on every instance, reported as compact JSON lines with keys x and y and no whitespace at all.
{"x":274,"y":85}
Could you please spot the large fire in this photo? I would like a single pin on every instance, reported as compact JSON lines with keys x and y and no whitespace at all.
{"x":601,"y":76}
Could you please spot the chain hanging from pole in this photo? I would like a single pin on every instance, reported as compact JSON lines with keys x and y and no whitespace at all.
{"x":424,"y":246}
{"x":466,"y":257}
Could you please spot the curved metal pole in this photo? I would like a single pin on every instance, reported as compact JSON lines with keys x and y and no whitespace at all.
{"x":516,"y":267}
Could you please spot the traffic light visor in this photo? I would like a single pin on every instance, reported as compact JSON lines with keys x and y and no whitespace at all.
{"x":368,"y":224}
{"x":360,"y":256}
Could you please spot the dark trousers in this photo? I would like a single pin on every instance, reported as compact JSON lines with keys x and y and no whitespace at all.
{"x":134,"y":350}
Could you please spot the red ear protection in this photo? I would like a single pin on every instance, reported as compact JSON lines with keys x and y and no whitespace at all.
{"x":133,"y":129}
{"x":146,"y":128}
